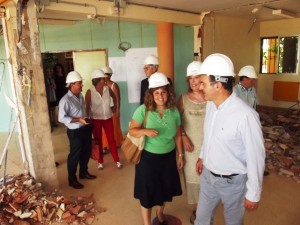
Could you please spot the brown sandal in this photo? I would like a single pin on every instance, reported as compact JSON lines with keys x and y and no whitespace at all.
{"x":193,"y":217}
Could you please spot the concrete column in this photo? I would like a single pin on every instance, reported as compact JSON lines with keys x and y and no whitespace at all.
{"x":28,"y":87}
{"x":165,"y":49}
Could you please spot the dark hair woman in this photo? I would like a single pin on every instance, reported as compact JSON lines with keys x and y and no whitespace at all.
{"x":156,"y":176}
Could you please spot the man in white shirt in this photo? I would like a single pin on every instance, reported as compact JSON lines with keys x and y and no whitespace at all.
{"x":245,"y":88}
{"x":231,"y":162}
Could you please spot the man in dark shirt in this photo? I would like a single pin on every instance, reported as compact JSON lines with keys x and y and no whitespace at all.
{"x":151,"y":64}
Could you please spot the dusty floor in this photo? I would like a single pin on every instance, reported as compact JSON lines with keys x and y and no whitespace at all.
{"x":113,"y":188}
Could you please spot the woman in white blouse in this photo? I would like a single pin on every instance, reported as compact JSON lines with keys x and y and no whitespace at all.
{"x":99,"y":107}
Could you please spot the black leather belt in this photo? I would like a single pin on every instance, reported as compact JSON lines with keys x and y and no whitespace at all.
{"x":224,"y":176}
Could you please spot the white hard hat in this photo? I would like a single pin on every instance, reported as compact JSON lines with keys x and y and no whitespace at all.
{"x":107,"y":69}
{"x":193,"y":68}
{"x":248,"y":71}
{"x":218,"y":65}
{"x":158,"y":80}
{"x":73,"y":77}
{"x":98,"y":74}
{"x":151,"y":60}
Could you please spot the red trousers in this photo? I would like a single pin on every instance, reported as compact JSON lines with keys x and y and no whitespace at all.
{"x":108,"y":127}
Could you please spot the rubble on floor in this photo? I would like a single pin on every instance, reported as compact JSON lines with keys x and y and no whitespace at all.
{"x":281,"y":129}
{"x":23,"y":202}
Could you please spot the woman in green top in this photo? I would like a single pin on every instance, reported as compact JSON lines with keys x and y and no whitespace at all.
{"x":156,"y":176}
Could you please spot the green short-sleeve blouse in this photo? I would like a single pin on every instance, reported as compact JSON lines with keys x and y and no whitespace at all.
{"x":166,"y":126}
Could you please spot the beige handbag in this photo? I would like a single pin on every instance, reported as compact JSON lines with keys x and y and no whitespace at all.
{"x":132,"y":147}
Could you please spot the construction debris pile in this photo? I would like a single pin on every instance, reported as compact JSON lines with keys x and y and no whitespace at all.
{"x":281,"y":129}
{"x":23,"y":202}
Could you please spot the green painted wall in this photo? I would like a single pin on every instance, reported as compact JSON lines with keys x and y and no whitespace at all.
{"x":183,"y":55}
{"x":92,"y":35}
{"x":6,"y":113}
{"x":86,"y":35}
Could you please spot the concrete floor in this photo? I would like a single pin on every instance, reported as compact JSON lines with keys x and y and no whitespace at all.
{"x":113,"y":191}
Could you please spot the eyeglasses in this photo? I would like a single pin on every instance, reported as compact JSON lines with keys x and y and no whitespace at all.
{"x":147,"y":67}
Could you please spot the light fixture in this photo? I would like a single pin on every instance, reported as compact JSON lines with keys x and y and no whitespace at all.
{"x":283,"y":13}
{"x":255,"y":10}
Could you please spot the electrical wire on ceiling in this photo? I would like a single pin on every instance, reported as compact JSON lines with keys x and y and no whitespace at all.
{"x":251,"y":5}
{"x":124,"y":46}
{"x":76,"y":4}
{"x":161,"y":7}
{"x":254,"y":11}
{"x":252,"y":25}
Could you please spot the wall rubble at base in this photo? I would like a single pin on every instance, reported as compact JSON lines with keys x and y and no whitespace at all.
{"x":281,"y":129}
{"x":23,"y":201}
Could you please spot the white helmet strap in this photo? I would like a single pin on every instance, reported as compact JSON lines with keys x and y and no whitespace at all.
{"x":221,"y":79}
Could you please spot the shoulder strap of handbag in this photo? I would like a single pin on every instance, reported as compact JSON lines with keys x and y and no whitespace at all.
{"x":145,"y":119}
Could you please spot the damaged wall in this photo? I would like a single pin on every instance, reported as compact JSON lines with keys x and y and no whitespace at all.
{"x":28,"y":92}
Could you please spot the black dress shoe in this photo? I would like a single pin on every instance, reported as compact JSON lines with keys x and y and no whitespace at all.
{"x":87,"y":175}
{"x":75,"y":184}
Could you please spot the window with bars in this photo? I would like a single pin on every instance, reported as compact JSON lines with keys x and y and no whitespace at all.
{"x":279,"y":55}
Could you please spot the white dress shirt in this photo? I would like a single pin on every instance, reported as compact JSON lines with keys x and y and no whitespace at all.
{"x":233,"y":143}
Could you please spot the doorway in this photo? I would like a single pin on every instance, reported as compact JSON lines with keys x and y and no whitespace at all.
{"x":57,"y":65}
